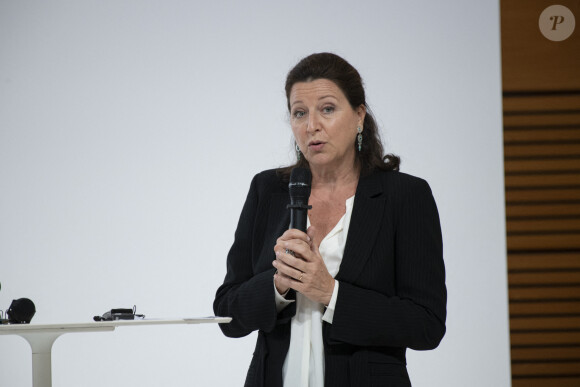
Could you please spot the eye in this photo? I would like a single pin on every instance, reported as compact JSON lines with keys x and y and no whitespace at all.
{"x":298,"y":114}
{"x":328,"y":109}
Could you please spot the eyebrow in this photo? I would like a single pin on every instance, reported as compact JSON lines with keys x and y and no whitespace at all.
{"x":324,"y":96}
{"x":327,"y":96}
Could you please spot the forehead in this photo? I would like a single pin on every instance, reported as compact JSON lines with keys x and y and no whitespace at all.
{"x":316,"y":89}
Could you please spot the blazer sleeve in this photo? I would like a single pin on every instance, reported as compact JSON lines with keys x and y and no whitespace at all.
{"x":246,"y":295}
{"x":414,"y":316}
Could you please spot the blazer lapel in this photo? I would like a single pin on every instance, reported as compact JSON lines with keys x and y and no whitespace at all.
{"x":279,"y":214}
{"x":367,"y":214}
{"x":276,"y":224}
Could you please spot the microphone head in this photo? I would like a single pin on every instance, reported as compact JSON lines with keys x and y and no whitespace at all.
{"x":21,"y":311}
{"x":299,"y":186}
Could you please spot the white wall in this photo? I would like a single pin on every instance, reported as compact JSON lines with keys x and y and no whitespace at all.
{"x":126,"y":127}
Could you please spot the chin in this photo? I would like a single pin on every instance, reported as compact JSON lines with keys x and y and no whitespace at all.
{"x":317,"y":158}
{"x":319,"y":162}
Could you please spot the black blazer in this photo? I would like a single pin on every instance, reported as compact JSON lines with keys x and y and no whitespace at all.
{"x":392,"y":293}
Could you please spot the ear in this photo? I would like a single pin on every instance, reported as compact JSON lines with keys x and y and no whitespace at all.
{"x":361,"y":112}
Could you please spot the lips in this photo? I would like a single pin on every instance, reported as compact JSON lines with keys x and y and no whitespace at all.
{"x":316,"y":145}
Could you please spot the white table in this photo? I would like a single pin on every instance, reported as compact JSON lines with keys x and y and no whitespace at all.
{"x":42,"y":336}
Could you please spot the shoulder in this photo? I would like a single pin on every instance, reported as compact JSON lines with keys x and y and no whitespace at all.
{"x":407,"y":195}
{"x":398,"y":188}
{"x":398,"y":181}
{"x":268,"y":181}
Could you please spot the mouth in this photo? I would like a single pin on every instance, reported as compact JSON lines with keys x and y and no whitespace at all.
{"x":316,"y":146}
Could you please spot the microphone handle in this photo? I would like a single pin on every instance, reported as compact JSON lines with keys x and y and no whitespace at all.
{"x":298,"y":218}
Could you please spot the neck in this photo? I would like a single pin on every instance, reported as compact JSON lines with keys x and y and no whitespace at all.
{"x":331,"y":178}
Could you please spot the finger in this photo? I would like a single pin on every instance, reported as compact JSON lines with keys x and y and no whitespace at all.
{"x":288,"y":271}
{"x":291,"y":261}
{"x":282,"y":289}
{"x":287,"y":247}
{"x":294,"y":234}
{"x":286,"y":282}
{"x":291,"y":235}
{"x":296,"y":246}
{"x":289,"y":282}
{"x":300,"y":248}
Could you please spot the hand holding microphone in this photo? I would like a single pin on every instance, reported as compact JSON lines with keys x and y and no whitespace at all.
{"x":299,"y":263}
{"x":299,"y":188}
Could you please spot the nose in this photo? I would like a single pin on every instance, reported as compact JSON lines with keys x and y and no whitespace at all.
{"x":313,"y":123}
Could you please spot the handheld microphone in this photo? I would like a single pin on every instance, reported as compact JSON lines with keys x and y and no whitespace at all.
{"x":299,"y":187}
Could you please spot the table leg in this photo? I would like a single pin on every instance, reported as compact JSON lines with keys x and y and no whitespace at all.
{"x":41,"y":345}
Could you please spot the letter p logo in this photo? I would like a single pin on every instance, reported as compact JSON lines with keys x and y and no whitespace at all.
{"x":557,"y":20}
{"x":557,"y":23}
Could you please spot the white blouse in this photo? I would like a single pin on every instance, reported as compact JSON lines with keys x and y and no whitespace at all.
{"x":304,"y":364}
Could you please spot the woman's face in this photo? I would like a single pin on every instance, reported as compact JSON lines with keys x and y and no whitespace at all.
{"x":324,"y":124}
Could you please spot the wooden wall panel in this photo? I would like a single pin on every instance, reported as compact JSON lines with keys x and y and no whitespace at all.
{"x":530,"y":62}
{"x":542,"y":260}
{"x":553,"y":102}
{"x":542,"y":180}
{"x":551,"y":382}
{"x":536,"y":292}
{"x":541,"y":84}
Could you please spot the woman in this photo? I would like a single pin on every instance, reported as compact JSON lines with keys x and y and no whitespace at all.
{"x":366,"y":281}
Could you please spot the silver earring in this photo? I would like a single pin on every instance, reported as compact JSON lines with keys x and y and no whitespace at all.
{"x":297,"y":151}
{"x":359,"y":138}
